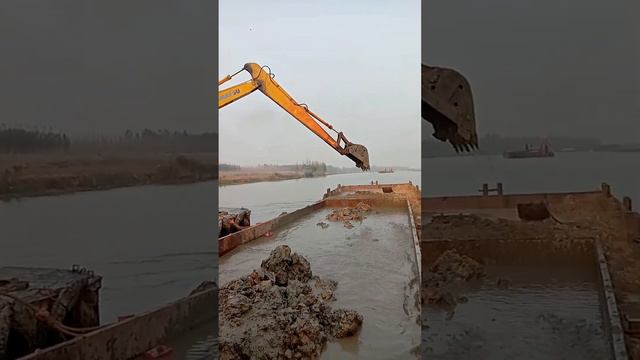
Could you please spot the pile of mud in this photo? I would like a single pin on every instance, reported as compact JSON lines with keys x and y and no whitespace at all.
{"x":346,"y":215}
{"x":366,"y":192}
{"x":442,"y":280}
{"x":473,"y":227}
{"x":281,"y":311}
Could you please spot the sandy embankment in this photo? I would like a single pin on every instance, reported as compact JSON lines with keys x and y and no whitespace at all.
{"x":35,"y":175}
{"x":246,"y":176}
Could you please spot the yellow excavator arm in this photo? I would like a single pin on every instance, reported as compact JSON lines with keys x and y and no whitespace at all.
{"x":447,"y":103}
{"x":262,"y":79}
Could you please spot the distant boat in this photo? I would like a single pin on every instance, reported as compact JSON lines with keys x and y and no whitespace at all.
{"x":386,"y":171}
{"x":529,"y":152}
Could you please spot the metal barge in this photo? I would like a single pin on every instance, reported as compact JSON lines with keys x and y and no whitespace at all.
{"x":569,"y":298}
{"x":53,"y":314}
{"x":529,"y":152}
{"x":375,"y":262}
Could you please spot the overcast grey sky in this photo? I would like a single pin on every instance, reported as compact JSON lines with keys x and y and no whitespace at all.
{"x":95,"y":66}
{"x":355,"y":63}
{"x":543,"y":67}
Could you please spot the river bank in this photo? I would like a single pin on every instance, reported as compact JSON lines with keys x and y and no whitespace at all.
{"x":236,"y":177}
{"x":249,"y":175}
{"x":54,"y":174}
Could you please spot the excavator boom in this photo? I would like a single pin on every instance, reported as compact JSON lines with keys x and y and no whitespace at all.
{"x":262,"y":79}
{"x":447,"y":103}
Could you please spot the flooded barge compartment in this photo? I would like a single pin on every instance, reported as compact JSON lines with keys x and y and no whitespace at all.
{"x":53,"y":314}
{"x":374,"y":262}
{"x":564,"y":287}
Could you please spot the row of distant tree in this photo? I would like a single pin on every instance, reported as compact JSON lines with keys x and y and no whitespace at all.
{"x":16,"y":141}
{"x":309,"y":168}
{"x":31,"y":141}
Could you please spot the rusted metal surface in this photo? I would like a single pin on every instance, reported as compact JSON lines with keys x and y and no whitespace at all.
{"x":600,"y":203}
{"x":387,"y":220}
{"x":233,"y":220}
{"x":416,"y":242}
{"x":533,"y":211}
{"x":342,"y":196}
{"x":486,"y":190}
{"x":231,"y":241}
{"x":132,"y":337}
{"x":613,"y":326}
{"x":631,"y":318}
{"x":447,"y":203}
{"x":70,"y":298}
{"x":518,"y":252}
{"x":511,"y":201}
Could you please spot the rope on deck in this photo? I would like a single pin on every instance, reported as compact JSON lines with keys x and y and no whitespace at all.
{"x":43,"y":315}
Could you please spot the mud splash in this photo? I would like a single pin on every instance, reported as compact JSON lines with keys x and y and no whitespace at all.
{"x":281,"y":311}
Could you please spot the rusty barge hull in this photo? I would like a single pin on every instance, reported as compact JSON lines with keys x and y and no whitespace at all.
{"x":618,"y":307}
{"x":400,"y":196}
{"x":355,"y":255}
{"x":130,"y":338}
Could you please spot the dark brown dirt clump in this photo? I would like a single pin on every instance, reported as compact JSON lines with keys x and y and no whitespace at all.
{"x":347,"y":215}
{"x":473,"y":227}
{"x":442,"y":280}
{"x":281,"y":311}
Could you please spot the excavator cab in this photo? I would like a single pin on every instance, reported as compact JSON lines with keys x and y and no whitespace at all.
{"x":447,"y":103}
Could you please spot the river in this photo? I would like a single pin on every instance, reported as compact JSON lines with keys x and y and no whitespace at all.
{"x":462,"y":175}
{"x":151,"y":244}
{"x":267,"y":200}
{"x":578,"y":171}
{"x":154,"y":244}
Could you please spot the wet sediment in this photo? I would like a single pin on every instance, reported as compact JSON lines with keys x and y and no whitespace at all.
{"x":442,"y":280}
{"x":349,"y":214}
{"x":281,"y":311}
{"x":546,"y":307}
{"x":373,"y":261}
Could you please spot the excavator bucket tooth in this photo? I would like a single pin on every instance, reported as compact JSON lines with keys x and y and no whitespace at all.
{"x":359,"y":154}
{"x":447,"y":103}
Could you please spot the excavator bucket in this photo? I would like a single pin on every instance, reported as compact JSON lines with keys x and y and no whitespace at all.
{"x":359,"y":154}
{"x":447,"y":103}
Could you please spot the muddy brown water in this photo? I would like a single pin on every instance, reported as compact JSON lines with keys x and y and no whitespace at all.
{"x":550,"y":310}
{"x":152,"y":244}
{"x":374,"y":267}
{"x":197,"y":344}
